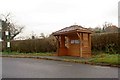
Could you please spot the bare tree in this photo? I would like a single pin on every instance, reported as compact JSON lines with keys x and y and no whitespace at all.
{"x":42,"y":35}
{"x":109,"y":27}
{"x":8,"y":25}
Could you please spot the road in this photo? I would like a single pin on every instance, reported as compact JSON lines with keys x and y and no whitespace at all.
{"x":36,"y":68}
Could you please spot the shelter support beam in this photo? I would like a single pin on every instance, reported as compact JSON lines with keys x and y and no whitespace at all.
{"x":58,"y":44}
{"x":80,"y":37}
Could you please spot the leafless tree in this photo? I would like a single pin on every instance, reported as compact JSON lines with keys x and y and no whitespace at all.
{"x":8,"y":25}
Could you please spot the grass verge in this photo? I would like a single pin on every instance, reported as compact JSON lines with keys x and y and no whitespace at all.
{"x":112,"y":59}
{"x":101,"y":59}
{"x":28,"y":54}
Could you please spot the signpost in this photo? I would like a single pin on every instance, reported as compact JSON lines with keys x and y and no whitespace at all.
{"x":8,"y":40}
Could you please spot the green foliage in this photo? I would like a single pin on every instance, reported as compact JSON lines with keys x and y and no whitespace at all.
{"x":106,"y":42}
{"x":110,"y":48}
{"x":33,"y":45}
{"x":101,"y":42}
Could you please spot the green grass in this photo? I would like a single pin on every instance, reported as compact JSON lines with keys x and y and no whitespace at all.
{"x":112,"y":59}
{"x":28,"y":54}
{"x":106,"y":58}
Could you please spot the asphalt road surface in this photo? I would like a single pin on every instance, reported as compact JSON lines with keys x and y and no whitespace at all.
{"x":36,"y":68}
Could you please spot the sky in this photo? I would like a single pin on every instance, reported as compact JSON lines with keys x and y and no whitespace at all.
{"x":47,"y":16}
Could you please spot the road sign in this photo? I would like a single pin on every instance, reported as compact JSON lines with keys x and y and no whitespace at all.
{"x":8,"y":44}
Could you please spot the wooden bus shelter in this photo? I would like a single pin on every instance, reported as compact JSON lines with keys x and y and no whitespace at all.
{"x":73,"y":41}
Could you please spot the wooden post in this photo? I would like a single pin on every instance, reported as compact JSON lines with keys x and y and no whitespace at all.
{"x":62,"y":41}
{"x":58,"y":44}
{"x":89,"y":42}
{"x":80,"y":37}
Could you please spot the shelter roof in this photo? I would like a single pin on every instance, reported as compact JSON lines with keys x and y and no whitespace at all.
{"x":72,"y":29}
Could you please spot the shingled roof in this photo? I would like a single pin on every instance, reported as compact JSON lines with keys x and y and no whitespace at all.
{"x":73,"y":28}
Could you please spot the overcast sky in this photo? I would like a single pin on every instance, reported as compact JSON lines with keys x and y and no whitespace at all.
{"x":47,"y":16}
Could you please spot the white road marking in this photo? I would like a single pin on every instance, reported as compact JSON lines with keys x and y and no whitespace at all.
{"x":65,"y":65}
{"x":101,"y":66}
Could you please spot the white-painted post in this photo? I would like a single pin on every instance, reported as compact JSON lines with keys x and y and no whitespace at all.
{"x":8,"y":40}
